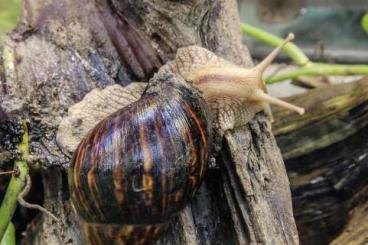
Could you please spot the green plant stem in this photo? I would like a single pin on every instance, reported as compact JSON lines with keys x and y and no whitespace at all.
{"x":320,"y":69}
{"x":16,"y":184}
{"x":293,"y":51}
{"x":307,"y":67}
{"x":9,"y":236}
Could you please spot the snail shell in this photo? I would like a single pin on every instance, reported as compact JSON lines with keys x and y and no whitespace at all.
{"x":142,"y":164}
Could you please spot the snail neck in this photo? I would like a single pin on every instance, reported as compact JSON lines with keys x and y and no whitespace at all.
{"x":236,"y":82}
{"x":228,"y":81}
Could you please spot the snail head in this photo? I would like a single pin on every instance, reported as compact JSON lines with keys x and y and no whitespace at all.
{"x":234,"y":81}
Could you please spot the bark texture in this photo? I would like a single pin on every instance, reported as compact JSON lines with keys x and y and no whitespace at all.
{"x":63,"y":49}
{"x":326,"y":157}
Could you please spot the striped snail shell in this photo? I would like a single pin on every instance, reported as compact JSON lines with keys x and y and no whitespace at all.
{"x":142,"y":164}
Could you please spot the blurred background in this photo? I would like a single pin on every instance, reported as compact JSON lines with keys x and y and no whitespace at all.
{"x":332,"y":31}
{"x":325,"y":151}
{"x":329,"y":30}
{"x":9,"y":12}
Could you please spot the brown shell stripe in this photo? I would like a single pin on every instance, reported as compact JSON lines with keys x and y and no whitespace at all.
{"x":160,"y":142}
{"x":93,"y":235}
{"x":194,"y":157}
{"x":78,"y":190}
{"x":81,"y":189}
{"x":192,"y":179}
{"x":168,"y":141}
{"x":101,"y":133}
{"x":80,"y":179}
{"x":147,"y":180}
{"x":118,"y":171}
{"x":188,"y":138}
{"x":133,"y":153}
{"x":202,"y":134}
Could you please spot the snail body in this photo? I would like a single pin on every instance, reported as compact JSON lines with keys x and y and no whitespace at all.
{"x":141,"y":165}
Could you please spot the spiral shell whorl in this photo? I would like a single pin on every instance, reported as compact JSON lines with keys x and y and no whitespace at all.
{"x":143,"y":163}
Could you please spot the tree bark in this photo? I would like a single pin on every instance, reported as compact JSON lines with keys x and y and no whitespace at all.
{"x":326,"y":158}
{"x":63,"y":49}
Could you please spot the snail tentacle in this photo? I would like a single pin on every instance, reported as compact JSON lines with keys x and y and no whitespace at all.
{"x":262,"y":96}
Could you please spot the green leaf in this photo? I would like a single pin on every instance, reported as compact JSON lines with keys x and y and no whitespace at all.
{"x":365,"y":23}
{"x":9,"y":236}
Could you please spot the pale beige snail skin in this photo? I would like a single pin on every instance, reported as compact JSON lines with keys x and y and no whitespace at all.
{"x":232,"y":93}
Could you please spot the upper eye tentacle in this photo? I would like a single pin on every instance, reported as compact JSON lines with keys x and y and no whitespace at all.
{"x":261,"y":67}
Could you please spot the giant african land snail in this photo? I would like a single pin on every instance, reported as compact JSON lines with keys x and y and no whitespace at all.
{"x":142,"y":164}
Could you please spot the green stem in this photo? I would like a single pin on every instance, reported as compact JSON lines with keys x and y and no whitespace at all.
{"x":308,"y":68}
{"x":9,"y":237}
{"x":293,"y":51}
{"x":16,"y":184}
{"x":320,"y":69}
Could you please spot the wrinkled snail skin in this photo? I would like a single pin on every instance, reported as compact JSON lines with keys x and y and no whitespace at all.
{"x":142,"y":164}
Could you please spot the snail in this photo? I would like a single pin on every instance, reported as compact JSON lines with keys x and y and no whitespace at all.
{"x":140,"y":166}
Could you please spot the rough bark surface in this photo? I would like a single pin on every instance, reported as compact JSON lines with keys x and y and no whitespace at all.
{"x":326,"y":154}
{"x":63,"y":49}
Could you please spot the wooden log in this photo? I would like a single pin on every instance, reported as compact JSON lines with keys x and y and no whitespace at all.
{"x":332,"y":114}
{"x":355,"y":231}
{"x":326,"y":157}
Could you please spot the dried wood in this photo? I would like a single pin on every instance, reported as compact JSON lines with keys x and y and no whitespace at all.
{"x":326,"y":154}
